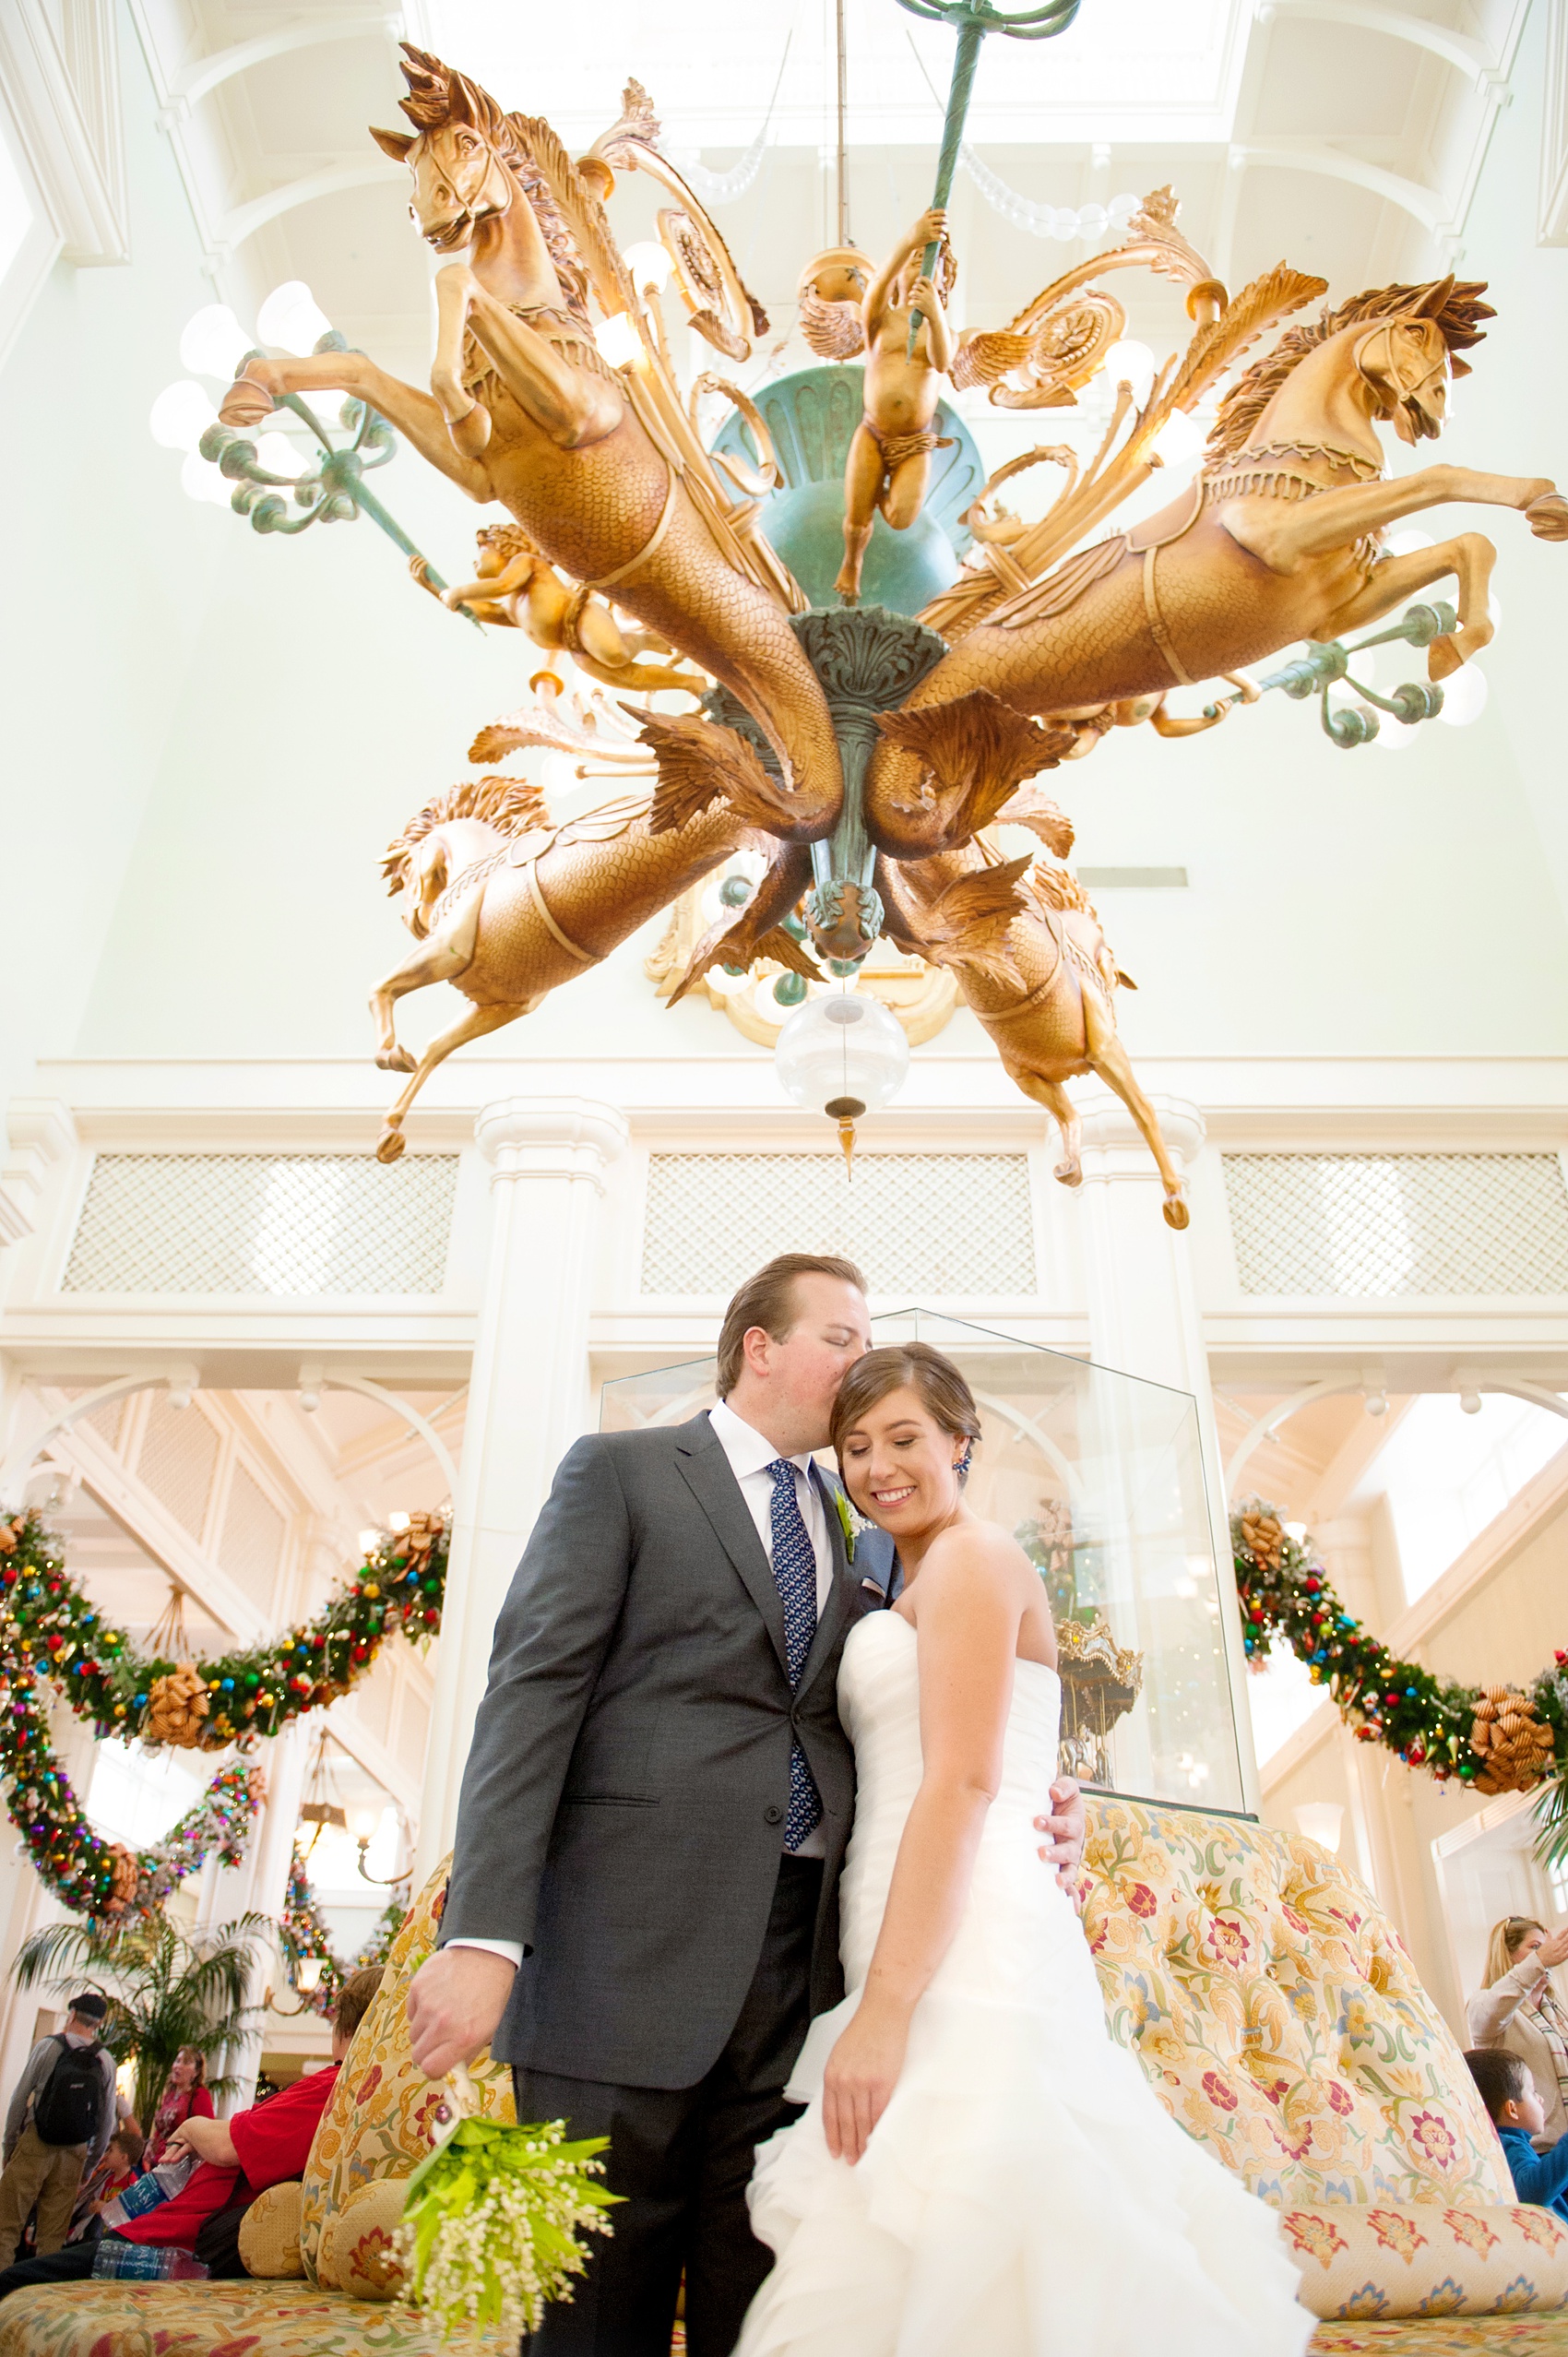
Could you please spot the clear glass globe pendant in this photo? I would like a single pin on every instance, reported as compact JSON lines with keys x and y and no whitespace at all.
{"x":844,"y":1055}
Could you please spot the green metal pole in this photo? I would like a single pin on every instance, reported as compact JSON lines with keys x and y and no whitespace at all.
{"x":966,"y":58}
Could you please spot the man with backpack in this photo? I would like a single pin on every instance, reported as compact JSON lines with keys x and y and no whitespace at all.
{"x":59,"y":2124}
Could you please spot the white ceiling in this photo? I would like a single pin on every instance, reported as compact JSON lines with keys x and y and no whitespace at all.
{"x":1344,"y":134}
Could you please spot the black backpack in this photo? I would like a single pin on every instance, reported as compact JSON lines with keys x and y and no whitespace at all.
{"x":69,"y":2107}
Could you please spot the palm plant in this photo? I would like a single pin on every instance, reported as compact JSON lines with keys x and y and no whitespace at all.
{"x":165,"y":1990}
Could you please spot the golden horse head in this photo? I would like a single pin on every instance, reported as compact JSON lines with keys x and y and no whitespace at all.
{"x":469,"y":165}
{"x":464,"y":825}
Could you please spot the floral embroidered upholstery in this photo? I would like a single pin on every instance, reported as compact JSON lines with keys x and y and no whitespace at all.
{"x":377,"y":2124}
{"x":1366,"y":2264}
{"x":216,"y":2320}
{"x":1277,"y":2016}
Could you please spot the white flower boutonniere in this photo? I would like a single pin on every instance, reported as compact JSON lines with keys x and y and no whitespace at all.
{"x":849,"y":1522}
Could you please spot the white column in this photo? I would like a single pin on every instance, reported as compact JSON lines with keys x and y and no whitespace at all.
{"x":261,"y":1885}
{"x":1144,"y":1319}
{"x":528,"y":1398}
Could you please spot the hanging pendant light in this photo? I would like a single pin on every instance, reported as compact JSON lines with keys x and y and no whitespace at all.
{"x":845,"y":1056}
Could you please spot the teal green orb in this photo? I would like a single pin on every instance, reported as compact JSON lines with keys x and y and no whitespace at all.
{"x":811,"y":416}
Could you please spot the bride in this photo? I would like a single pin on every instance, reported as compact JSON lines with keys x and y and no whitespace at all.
{"x":980,"y":2172}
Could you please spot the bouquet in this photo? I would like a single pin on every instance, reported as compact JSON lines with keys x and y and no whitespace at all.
{"x":492,"y":2219}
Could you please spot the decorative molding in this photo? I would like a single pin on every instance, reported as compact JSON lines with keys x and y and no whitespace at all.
{"x":64,"y":103}
{"x":1469,"y":57}
{"x":40,"y":1133}
{"x":1553,"y":225}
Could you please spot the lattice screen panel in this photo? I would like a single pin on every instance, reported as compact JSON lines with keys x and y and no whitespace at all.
{"x":1391,"y":1224}
{"x":925,"y":1224}
{"x":293,"y":1224}
{"x":253,"y":1537}
{"x":178,"y":1451}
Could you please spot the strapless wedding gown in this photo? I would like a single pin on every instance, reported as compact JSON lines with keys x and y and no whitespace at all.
{"x":1025,"y":2194}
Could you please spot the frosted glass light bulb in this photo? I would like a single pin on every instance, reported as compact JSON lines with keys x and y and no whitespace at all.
{"x":1464,"y":696}
{"x":647,"y":262}
{"x":1130,"y":363}
{"x":618,"y":339}
{"x":1179,"y":439}
{"x":276,"y":455}
{"x":199,"y":481}
{"x":214,"y":343}
{"x":181,"y":415}
{"x":292,"y":318}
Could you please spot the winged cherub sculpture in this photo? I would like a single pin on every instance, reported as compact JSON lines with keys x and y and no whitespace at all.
{"x":867,"y":753}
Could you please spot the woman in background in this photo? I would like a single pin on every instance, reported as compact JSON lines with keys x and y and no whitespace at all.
{"x":1518,"y":2007}
{"x":185,"y":2096}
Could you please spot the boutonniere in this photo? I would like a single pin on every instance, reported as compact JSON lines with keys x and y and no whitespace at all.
{"x":849,"y":1522}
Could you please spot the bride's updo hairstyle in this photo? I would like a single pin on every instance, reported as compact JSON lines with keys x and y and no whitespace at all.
{"x":935,"y":1382}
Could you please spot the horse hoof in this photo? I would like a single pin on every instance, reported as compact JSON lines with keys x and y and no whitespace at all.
{"x":1442,"y":658}
{"x":394,"y":1060}
{"x":1176,"y":1212}
{"x":389,"y":1145}
{"x":1548,"y":516}
{"x":1070,"y":1174}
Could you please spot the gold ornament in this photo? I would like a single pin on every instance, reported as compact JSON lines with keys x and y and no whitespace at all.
{"x":1100,"y":1682}
{"x":124,"y":1874}
{"x":176,"y":1706}
{"x":1514,"y":1745}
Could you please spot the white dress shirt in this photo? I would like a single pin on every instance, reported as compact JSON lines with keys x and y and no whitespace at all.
{"x":749,"y":1457}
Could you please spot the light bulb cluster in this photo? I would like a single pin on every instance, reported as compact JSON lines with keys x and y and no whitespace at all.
{"x":213,"y":344}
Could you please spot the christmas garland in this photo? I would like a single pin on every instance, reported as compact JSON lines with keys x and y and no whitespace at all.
{"x":50,"y":1631}
{"x":1490,"y":1739}
{"x":301,"y":1932}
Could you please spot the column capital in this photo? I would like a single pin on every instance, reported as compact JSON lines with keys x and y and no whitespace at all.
{"x":551,"y":1136}
{"x":1110,"y":1131}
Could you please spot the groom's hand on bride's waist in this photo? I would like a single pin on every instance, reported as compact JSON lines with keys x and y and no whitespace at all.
{"x":1064,"y":1829}
{"x":455,"y":2002}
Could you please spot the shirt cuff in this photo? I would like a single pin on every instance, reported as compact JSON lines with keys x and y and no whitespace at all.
{"x":511,"y":1949}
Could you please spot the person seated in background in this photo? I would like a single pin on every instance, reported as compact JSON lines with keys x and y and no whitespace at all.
{"x":119,"y":2167}
{"x":237,"y":2159}
{"x":1508,"y":2089}
{"x":185,"y":2096}
{"x":1517,"y":2007}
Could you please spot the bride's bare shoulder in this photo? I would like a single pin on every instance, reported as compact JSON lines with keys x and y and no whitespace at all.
{"x":978,"y":1547}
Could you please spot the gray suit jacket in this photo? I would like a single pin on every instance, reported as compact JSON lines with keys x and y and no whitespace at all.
{"x":624,"y":1801}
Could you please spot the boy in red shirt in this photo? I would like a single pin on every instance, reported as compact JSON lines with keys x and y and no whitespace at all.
{"x":238,"y":2159}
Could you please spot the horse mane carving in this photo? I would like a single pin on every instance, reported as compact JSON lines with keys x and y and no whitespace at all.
{"x":1454,"y":305}
{"x":512,"y":805}
{"x":438,"y":94}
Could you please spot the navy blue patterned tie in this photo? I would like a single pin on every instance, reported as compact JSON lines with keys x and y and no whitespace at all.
{"x":794,"y":1571}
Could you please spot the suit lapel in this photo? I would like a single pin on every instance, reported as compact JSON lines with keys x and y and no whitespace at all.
{"x":706,"y":1470}
{"x":839,"y":1610}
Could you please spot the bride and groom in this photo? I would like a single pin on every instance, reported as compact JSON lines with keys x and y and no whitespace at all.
{"x":750,"y":1823}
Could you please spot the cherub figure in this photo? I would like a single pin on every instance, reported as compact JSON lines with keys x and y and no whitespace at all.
{"x":519,"y":589}
{"x":889,"y":461}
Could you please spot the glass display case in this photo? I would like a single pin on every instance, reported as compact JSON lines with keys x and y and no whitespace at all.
{"x":1100,"y":1476}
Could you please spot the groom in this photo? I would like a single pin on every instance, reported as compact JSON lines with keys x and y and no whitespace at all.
{"x":643,"y":1911}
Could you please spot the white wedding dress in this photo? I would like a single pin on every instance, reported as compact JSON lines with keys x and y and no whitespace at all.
{"x":1025,"y":2194}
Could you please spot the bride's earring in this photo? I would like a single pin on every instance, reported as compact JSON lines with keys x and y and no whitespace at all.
{"x":961,"y":1464}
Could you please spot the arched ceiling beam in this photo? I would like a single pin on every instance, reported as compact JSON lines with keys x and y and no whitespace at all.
{"x":1425,"y":205}
{"x":204,"y":74}
{"x":246,"y":220}
{"x":1469,"y":57}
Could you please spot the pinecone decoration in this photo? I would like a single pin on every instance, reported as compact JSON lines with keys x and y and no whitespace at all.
{"x":1262,"y":1535}
{"x":1514,"y":1745}
{"x":418,"y":1540}
{"x":125,"y":1871}
{"x":176,"y":1704}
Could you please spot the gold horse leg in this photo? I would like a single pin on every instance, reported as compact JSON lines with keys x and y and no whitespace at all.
{"x":471,"y":1025}
{"x":1060,"y":1105}
{"x":468,"y":421}
{"x":1111,"y":1061}
{"x":1469,"y":556}
{"x":439,"y":958}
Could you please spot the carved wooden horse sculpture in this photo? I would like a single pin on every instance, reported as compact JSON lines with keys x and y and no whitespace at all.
{"x":506,"y":906}
{"x":600,"y":465}
{"x":1279,"y":539}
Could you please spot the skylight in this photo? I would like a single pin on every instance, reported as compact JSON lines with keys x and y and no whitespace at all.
{"x":1127,"y":69}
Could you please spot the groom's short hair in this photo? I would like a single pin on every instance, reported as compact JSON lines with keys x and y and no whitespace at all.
{"x":768,"y":1300}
